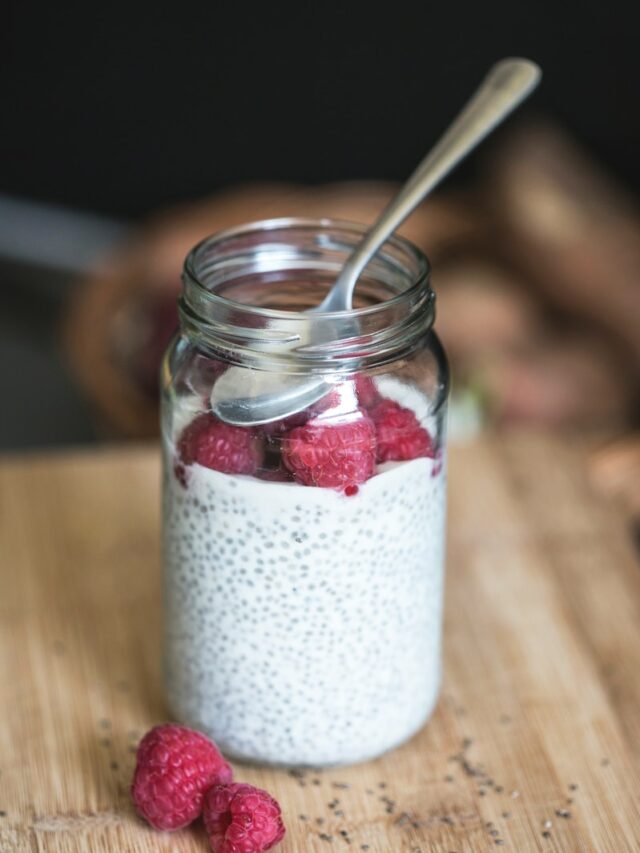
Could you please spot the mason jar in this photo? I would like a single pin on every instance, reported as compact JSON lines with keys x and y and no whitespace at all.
{"x":303,"y":558}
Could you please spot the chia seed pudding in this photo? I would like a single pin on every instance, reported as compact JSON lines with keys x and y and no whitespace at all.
{"x":303,"y":625}
{"x":303,"y":557}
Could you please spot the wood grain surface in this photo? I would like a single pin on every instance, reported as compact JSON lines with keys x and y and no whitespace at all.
{"x":535,"y":744}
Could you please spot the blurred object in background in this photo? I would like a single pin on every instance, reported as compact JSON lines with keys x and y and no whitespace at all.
{"x":614,"y":470}
{"x":43,"y":249}
{"x":537,"y":272}
{"x":574,"y":237}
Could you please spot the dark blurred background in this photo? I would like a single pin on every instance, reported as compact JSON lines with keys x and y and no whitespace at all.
{"x":113,"y":114}
{"x":121,"y":111}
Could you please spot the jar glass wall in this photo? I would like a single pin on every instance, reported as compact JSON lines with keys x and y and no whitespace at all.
{"x":303,"y":558}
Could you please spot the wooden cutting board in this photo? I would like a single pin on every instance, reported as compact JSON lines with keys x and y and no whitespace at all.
{"x":535,"y":744}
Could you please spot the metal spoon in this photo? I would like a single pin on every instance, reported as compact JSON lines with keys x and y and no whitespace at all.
{"x":246,"y":397}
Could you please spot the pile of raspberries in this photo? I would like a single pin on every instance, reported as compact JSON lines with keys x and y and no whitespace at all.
{"x":180,"y":775}
{"x":311,"y":447}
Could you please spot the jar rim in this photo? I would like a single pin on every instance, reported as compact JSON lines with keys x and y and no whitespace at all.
{"x":212,"y":241}
{"x":303,"y":341}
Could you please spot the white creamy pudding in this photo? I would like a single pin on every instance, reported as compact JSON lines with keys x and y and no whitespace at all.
{"x":303,"y":625}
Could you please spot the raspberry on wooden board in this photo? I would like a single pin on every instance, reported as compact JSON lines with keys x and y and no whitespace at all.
{"x":242,"y":819}
{"x":175,"y":766}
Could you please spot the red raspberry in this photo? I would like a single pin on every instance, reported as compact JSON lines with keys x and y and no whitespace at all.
{"x":328,"y":454}
{"x":242,"y":819}
{"x":399,"y":435}
{"x":175,"y":766}
{"x":368,"y":395}
{"x":221,"y":446}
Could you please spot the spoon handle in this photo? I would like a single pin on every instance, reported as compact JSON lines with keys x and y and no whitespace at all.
{"x":506,"y":85}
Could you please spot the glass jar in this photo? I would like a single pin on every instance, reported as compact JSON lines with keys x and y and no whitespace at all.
{"x":303,"y":559}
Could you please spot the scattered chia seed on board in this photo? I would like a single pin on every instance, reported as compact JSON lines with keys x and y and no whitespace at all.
{"x":406,"y":820}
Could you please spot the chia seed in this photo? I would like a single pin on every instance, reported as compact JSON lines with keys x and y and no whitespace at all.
{"x":224,"y":686}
